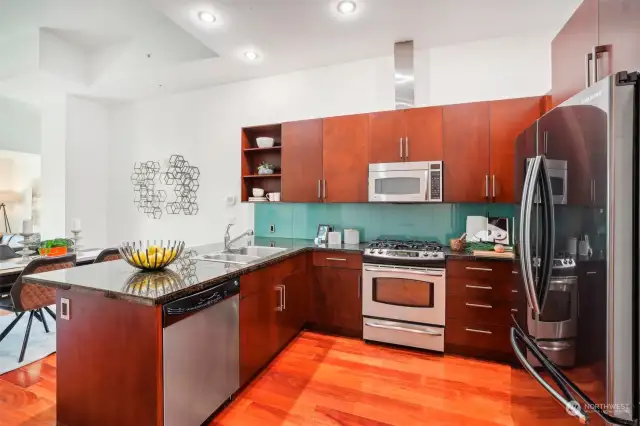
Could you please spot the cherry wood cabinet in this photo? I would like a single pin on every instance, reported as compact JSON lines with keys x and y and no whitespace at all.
{"x":336,"y":299}
{"x":293,"y":309}
{"x":508,"y":118}
{"x":413,"y":134}
{"x":302,"y":159}
{"x":569,"y":52}
{"x":345,"y":159}
{"x":466,"y":152}
{"x":619,"y":32}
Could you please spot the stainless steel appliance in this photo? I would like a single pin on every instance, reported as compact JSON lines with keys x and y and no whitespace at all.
{"x":416,"y":182}
{"x":556,"y":328}
{"x":596,"y":133}
{"x":558,"y":176}
{"x":403,"y":293}
{"x":200,"y":343}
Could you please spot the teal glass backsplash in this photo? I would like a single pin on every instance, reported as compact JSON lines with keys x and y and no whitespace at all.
{"x":432,"y":221}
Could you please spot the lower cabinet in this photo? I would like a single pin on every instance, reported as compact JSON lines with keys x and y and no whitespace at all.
{"x":273,"y":314}
{"x":336,"y":301}
{"x":481,"y":298}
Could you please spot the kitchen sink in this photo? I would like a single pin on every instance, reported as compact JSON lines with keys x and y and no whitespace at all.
{"x":241,"y":256}
{"x":257,"y":251}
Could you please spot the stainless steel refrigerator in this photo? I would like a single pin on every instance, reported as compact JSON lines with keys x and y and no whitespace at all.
{"x":575,"y":329}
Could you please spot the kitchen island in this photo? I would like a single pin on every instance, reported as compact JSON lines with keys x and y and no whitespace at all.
{"x":110,"y":349}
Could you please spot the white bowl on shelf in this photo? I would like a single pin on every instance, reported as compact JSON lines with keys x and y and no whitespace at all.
{"x":258,"y":192}
{"x":265,"y":142}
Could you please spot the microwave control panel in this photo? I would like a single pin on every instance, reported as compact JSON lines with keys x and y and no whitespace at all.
{"x":435,"y":181}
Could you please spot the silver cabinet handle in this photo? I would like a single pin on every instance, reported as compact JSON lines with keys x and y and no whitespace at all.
{"x":280,"y":307}
{"x":396,"y":328}
{"x":477,"y":305}
{"x":401,"y":152}
{"x":515,"y":272}
{"x":587,"y":70}
{"x":359,"y":286}
{"x":596,"y":51}
{"x":324,"y":189}
{"x":474,"y":330}
{"x":494,"y":185}
{"x":546,"y":141}
{"x":284,"y":297}
{"x":406,"y":142}
{"x":473,"y":268}
{"x":405,"y":271}
{"x":591,"y":272}
{"x":337,"y":259}
{"x":320,"y":189}
{"x":486,"y":186}
{"x":514,"y":310}
{"x":514,"y":291}
{"x":481,"y":287}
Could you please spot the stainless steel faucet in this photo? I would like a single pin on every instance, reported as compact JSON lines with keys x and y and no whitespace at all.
{"x":227,"y":238}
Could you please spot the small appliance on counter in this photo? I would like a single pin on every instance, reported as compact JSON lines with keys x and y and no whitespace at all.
{"x":403,"y":293}
{"x":335,"y":238}
{"x":351,"y":236}
{"x":416,"y":182}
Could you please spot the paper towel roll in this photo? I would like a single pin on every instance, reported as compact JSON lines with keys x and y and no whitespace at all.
{"x":351,"y":236}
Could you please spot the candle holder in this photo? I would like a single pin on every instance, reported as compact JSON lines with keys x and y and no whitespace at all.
{"x":26,"y":252}
{"x":76,"y":237}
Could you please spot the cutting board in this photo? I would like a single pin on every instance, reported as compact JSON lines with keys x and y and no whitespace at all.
{"x":493,"y":254}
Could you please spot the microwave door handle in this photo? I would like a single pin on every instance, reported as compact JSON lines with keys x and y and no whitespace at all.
{"x":569,"y":403}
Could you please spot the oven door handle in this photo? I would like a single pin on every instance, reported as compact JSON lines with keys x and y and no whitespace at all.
{"x":396,"y":328}
{"x":405,"y":271}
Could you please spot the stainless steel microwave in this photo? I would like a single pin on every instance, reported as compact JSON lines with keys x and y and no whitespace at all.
{"x":413,"y":182}
{"x":558,"y":174}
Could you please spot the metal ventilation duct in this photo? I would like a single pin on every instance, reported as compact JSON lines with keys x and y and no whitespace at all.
{"x":404,"y":75}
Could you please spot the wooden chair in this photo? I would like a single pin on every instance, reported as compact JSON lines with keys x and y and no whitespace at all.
{"x":33,"y":298}
{"x":108,"y":255}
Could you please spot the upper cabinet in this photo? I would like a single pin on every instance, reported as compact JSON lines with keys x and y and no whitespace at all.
{"x":406,"y":135}
{"x":619,"y":32}
{"x":479,"y":148}
{"x":466,"y":153}
{"x":600,"y":39}
{"x":302,"y":159}
{"x":345,"y":159}
{"x":508,"y":119}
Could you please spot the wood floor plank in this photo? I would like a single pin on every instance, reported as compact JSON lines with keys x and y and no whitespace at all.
{"x":321,"y":380}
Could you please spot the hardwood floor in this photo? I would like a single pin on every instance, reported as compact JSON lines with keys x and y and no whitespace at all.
{"x":322,"y":380}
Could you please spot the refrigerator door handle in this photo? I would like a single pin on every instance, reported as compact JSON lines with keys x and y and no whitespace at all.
{"x":533,"y":170}
{"x":570,"y":404}
{"x":548,"y":232}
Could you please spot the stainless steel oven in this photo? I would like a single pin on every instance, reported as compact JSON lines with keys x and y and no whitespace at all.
{"x":406,"y":182}
{"x":558,"y":172}
{"x":404,"y":305}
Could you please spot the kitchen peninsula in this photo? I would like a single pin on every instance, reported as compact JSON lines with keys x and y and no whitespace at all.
{"x":110,"y":349}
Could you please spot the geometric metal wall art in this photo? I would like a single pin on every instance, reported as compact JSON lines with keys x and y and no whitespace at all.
{"x":152,"y":187}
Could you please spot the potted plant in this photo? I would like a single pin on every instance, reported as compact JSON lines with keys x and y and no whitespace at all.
{"x":265,"y":168}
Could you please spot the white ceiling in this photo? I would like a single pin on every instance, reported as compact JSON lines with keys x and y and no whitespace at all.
{"x":115,"y":37}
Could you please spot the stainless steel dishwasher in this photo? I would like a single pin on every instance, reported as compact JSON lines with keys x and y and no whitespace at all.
{"x":200,"y":353}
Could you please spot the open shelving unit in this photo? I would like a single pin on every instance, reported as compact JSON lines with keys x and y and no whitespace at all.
{"x":252,"y":156}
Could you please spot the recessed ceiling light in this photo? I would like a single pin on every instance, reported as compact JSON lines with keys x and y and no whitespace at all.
{"x":251,"y":55}
{"x":207,"y":17}
{"x":346,"y":7}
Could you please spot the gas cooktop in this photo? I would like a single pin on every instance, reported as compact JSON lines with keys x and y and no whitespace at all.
{"x":404,"y":251}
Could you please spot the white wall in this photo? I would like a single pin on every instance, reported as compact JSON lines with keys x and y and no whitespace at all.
{"x":19,"y":127}
{"x":86,"y":179}
{"x":204,"y":125}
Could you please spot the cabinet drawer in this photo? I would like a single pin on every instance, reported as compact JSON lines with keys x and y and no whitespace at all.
{"x":470,"y":335}
{"x":499,"y":270}
{"x":480,"y":311}
{"x":489,"y":291}
{"x":337,"y":259}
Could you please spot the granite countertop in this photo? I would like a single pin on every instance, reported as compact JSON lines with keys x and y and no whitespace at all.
{"x":15,"y":266}
{"x":119,"y":280}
